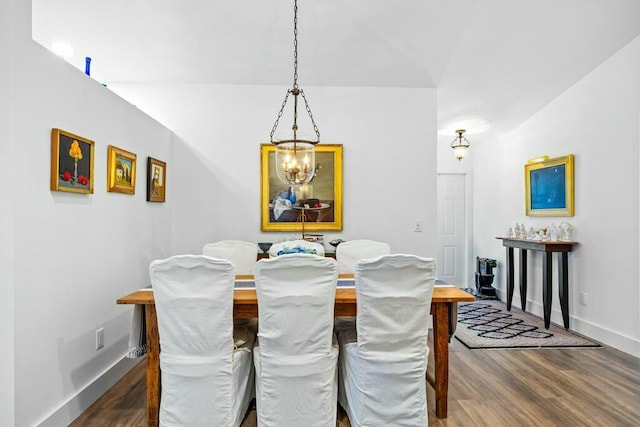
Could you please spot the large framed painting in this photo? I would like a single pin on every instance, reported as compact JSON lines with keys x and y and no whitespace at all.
{"x":121,"y":171}
{"x":320,"y":201}
{"x":549,"y":186}
{"x":71,"y":162}
{"x":156,"y":180}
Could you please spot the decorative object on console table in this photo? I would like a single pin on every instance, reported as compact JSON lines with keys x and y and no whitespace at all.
{"x":121,"y":171}
{"x":278,"y":213}
{"x":549,"y":186}
{"x":547,"y":249}
{"x":565,"y":232}
{"x":71,"y":162}
{"x":156,"y":180}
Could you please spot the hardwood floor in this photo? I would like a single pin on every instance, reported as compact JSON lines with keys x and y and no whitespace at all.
{"x":533,"y":387}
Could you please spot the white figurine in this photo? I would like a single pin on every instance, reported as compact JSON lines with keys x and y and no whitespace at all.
{"x":510,"y":232}
{"x":554,"y":232}
{"x":565,"y":232}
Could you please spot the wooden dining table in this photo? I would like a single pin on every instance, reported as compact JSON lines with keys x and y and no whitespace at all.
{"x":245,"y":305}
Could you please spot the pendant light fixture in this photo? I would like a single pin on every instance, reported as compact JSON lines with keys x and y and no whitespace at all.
{"x":295,"y":157}
{"x":460,"y":144}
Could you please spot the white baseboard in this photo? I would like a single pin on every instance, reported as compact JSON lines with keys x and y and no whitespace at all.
{"x":590,"y":330}
{"x":75,"y":406}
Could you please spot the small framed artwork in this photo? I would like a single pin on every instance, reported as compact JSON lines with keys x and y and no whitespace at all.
{"x":71,"y":162}
{"x":549,"y":186}
{"x":318,"y":203}
{"x":156,"y":180}
{"x":121,"y":171}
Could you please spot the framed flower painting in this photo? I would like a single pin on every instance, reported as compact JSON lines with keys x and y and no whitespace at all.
{"x":71,"y":162}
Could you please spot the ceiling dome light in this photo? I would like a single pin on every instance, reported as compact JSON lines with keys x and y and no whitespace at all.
{"x":460,"y":145}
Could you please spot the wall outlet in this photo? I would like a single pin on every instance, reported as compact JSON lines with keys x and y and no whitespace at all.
{"x":99,"y":338}
{"x":584,"y":298}
{"x":418,"y":226}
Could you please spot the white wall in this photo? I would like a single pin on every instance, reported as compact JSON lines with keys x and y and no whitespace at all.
{"x":6,"y":218}
{"x":389,"y":138}
{"x":74,"y":254}
{"x":598,"y":121}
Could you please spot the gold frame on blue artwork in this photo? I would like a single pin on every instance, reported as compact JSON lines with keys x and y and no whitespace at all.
{"x":549,"y":186}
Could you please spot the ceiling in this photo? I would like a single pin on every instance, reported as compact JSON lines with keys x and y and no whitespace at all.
{"x":494,"y":62}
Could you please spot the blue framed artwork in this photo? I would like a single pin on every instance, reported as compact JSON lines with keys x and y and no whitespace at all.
{"x":549,"y":186}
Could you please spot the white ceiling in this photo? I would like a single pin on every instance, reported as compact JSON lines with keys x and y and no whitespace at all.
{"x":498,"y":61}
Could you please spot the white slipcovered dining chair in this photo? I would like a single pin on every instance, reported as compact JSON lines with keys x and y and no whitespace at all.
{"x":206,"y":372}
{"x":296,"y":353}
{"x":243,"y":255}
{"x":384,"y":353}
{"x":293,"y":246}
{"x":350,"y":252}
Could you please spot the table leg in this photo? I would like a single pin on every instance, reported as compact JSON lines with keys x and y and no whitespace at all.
{"x":546,"y":287}
{"x":563,"y":286}
{"x":523,"y":279}
{"x":153,"y":366}
{"x":441,"y":357}
{"x":509,"y":277}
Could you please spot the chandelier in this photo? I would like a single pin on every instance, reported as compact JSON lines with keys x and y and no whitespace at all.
{"x":295,"y":157}
{"x":460,"y":144}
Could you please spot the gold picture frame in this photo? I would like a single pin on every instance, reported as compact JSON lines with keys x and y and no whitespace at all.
{"x":121,"y":171}
{"x":156,"y":180}
{"x":549,"y":186}
{"x":71,"y":162}
{"x":325,"y":186}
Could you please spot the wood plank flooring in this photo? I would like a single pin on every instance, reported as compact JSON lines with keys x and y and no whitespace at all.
{"x":532,"y":387}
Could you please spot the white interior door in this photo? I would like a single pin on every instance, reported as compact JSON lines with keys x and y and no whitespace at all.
{"x":450,"y":256}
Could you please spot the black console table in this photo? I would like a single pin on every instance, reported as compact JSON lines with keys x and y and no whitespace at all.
{"x":548,"y":248}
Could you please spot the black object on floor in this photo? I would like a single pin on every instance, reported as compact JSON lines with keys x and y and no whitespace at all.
{"x":484,"y":278}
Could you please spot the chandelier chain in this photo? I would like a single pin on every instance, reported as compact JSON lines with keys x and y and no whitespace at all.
{"x":275,"y":125}
{"x":295,"y":90}
{"x":295,"y":45}
{"x":313,"y":122}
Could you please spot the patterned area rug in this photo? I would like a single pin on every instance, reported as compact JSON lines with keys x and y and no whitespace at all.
{"x":488,"y":324}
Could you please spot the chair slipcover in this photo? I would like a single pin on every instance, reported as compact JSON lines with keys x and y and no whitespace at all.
{"x":296,"y":353}
{"x":383,"y":357}
{"x":243,"y":255}
{"x":350,"y":252}
{"x":291,"y":246}
{"x":207,"y":378}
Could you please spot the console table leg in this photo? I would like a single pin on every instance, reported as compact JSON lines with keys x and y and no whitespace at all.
{"x":509,"y":277}
{"x":563,"y":286}
{"x":546,"y":287}
{"x":523,"y":279}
